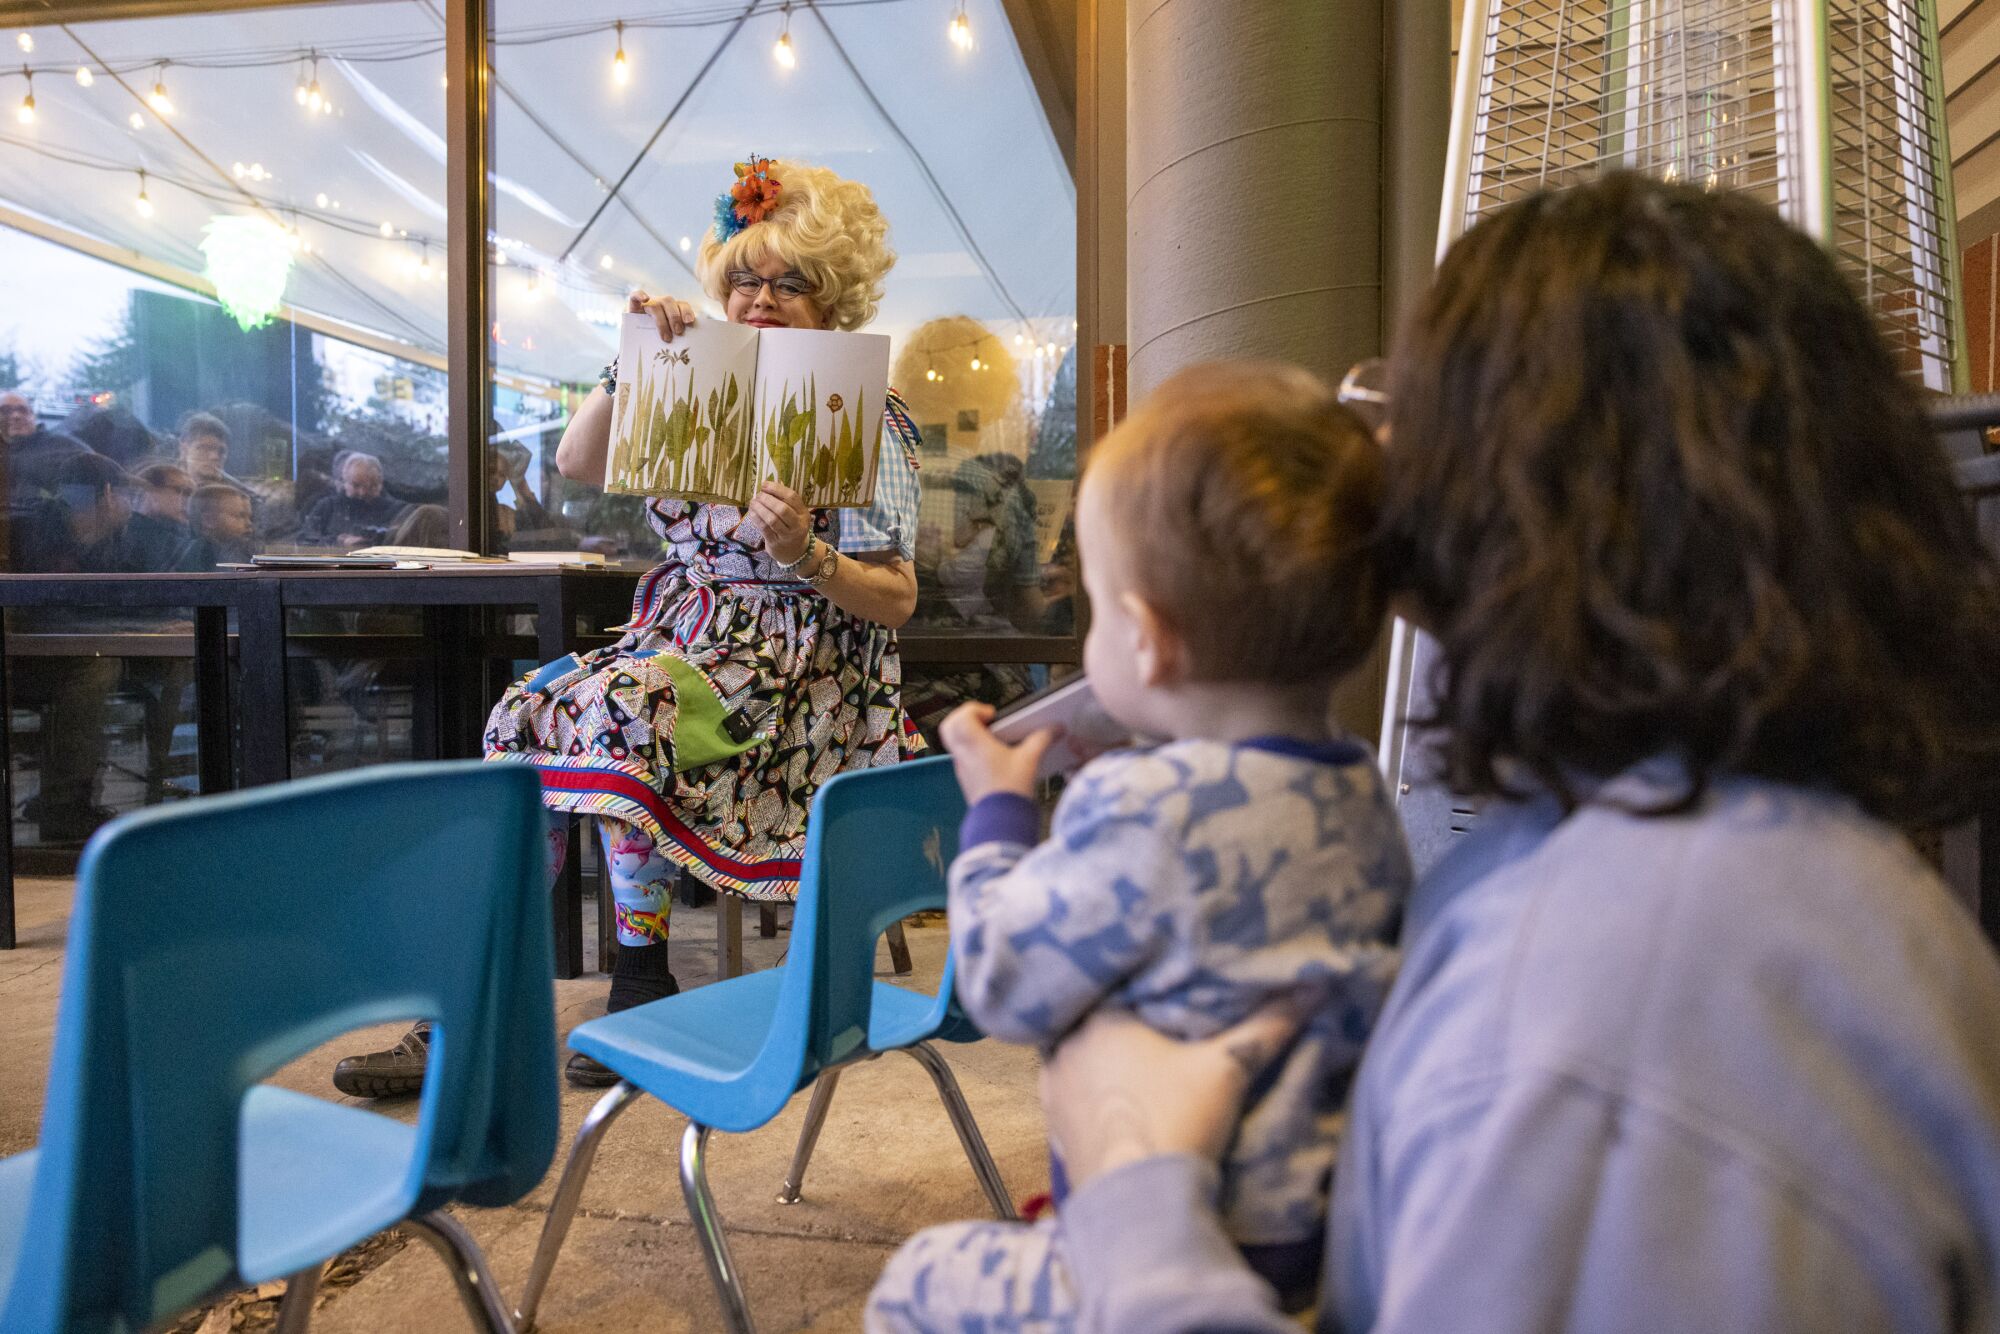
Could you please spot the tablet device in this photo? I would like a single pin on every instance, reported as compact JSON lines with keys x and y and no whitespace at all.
{"x":1085,"y":730}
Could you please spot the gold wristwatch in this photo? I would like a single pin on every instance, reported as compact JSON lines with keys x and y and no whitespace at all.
{"x":824,"y":570}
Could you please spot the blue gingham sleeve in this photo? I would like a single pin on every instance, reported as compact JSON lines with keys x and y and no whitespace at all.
{"x":890,"y":522}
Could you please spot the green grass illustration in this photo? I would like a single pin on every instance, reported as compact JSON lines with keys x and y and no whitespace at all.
{"x":709,"y":448}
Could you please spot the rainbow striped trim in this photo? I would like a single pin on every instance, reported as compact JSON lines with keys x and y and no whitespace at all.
{"x":579,"y":785}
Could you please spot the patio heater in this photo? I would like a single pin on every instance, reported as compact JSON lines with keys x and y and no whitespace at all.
{"x":1832,"y":111}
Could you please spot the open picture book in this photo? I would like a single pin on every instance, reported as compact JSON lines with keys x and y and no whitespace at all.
{"x":725,"y":407}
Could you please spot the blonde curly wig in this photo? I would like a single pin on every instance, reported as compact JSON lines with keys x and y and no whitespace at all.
{"x":826,"y":227}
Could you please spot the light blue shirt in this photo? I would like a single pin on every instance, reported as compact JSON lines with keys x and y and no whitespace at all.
{"x":1737,"y":1069}
{"x":889,"y":521}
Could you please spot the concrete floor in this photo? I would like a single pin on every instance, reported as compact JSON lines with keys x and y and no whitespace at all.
{"x":886,"y":1165}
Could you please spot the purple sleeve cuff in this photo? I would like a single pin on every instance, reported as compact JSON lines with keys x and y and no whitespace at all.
{"x":1000,"y":817}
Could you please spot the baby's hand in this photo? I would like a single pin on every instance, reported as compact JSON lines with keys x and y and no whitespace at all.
{"x":984,"y":763}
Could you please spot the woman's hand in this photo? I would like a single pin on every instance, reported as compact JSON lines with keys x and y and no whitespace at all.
{"x":1116,"y":1091}
{"x":781,"y":512}
{"x":673,"y":317}
{"x":983,"y":762}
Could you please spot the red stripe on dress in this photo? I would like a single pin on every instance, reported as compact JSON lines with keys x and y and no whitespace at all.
{"x":570,"y":780}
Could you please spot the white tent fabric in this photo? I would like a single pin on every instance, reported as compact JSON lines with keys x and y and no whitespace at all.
{"x":954,"y":144}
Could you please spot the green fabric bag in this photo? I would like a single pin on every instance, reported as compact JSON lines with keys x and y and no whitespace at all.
{"x":700,"y":739}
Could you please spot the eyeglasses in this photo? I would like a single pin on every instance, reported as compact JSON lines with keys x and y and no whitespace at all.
{"x":786,"y":286}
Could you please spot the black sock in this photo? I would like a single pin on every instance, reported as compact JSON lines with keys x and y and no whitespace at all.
{"x":640,"y":975}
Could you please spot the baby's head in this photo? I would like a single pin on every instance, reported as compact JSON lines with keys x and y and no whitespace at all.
{"x":1226,"y":539}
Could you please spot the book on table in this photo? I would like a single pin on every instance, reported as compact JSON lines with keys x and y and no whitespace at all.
{"x":725,"y":407}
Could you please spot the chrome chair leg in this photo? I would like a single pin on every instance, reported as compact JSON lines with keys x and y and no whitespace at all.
{"x":708,"y":1227}
{"x":569,"y":1191}
{"x":816,"y":1110}
{"x":295,"y":1307}
{"x":461,"y":1254}
{"x":969,"y":1137}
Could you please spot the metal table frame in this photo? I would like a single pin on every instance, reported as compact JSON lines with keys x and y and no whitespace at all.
{"x":457,"y":681}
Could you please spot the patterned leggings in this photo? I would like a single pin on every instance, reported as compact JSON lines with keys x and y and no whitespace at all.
{"x":998,"y":1278}
{"x":642,"y":877}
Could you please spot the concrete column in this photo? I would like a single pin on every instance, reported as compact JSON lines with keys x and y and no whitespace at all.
{"x":1254,"y":182}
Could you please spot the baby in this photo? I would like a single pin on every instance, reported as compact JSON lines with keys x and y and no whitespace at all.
{"x":1253,"y":853}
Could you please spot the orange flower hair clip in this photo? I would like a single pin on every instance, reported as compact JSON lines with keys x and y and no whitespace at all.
{"x":752,"y":199}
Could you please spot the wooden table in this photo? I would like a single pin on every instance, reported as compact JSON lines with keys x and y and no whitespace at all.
{"x":456,"y":682}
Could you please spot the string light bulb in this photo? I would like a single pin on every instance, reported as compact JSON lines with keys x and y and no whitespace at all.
{"x":26,"y":41}
{"x":975,"y":364}
{"x":782,"y":51}
{"x":136,"y":121}
{"x":386,"y":230}
{"x":84,"y":78}
{"x":143,"y":205}
{"x":26,"y":115}
{"x":960,"y":30}
{"x":621,"y":72}
{"x":314,"y":100}
{"x":158,"y":99}
{"x":299,"y":88}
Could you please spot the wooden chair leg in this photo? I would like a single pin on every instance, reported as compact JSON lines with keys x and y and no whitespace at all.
{"x":899,"y":950}
{"x":767,"y":921}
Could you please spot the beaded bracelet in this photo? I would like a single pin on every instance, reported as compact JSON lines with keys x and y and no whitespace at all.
{"x":608,"y":377}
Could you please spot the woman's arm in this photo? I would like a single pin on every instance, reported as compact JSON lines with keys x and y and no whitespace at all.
{"x":1139,"y":1119}
{"x":581,"y":455}
{"x":879,"y":586}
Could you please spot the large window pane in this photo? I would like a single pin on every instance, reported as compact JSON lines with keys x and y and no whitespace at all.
{"x":225,"y":324}
{"x":223,"y":333}
{"x":604,"y":185}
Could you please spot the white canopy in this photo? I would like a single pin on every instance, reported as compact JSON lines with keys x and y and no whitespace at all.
{"x":954,"y":144}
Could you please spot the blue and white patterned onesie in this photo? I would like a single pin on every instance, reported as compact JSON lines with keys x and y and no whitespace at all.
{"x":1189,"y":883}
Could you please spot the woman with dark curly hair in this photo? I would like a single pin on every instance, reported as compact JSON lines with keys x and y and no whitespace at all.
{"x":1687,"y":1037}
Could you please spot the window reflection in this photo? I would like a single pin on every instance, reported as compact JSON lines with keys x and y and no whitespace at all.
{"x":596,"y":196}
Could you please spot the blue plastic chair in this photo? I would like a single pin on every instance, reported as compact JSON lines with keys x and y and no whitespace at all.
{"x":731,"y":1054}
{"x":213,"y":941}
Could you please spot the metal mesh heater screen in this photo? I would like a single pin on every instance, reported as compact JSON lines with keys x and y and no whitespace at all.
{"x":1832,"y":112}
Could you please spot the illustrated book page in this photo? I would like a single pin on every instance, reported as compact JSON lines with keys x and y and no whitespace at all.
{"x":681,"y":424}
{"x":723,"y":408}
{"x":820,"y":399}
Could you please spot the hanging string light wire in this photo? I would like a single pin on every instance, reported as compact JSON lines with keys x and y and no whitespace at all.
{"x":782,"y":51}
{"x":26,"y":115}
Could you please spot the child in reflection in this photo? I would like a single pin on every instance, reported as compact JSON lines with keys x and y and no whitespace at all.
{"x":1225,"y":531}
{"x":222,"y":524}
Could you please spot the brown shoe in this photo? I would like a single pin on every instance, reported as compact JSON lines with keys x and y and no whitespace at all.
{"x":386,"y":1074}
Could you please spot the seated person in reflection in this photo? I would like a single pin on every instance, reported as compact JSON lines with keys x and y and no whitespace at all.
{"x":204,"y":449}
{"x":422,"y":526}
{"x":158,"y":530}
{"x":526,"y":518}
{"x":33,"y":453}
{"x":358,"y":514}
{"x":222,"y":526}
{"x":1251,"y":856}
{"x":79,"y":529}
{"x":114,"y":432}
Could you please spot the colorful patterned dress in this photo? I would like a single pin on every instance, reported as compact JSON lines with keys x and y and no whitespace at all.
{"x":600,"y":726}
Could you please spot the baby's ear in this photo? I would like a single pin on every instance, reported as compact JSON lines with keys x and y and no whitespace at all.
{"x":1159,"y":654}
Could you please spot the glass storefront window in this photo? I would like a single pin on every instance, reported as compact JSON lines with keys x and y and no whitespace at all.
{"x":611,"y":186}
{"x":223,"y":334}
{"x":225,"y":325}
